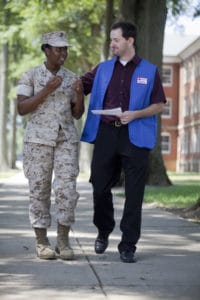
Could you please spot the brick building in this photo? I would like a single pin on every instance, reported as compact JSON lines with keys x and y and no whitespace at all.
{"x":180,"y":133}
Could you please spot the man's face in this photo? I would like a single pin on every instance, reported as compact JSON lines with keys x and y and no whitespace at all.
{"x":118,"y":44}
{"x":57,"y":55}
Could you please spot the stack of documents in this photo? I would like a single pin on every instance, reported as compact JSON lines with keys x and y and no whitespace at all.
{"x":109,"y":112}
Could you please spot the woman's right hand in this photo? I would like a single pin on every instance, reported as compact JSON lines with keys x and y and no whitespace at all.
{"x":53,"y":83}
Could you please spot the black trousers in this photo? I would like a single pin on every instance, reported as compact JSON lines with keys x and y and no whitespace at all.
{"x":112,"y":152}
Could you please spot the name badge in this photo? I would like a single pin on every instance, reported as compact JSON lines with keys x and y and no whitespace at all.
{"x":142,"y":80}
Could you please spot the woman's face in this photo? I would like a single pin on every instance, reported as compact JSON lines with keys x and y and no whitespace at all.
{"x":57,"y":55}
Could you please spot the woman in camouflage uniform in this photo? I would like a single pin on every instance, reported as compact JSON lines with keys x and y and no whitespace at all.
{"x":53,"y":96}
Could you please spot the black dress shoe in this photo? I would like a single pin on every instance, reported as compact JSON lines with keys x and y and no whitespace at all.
{"x":127,"y":256}
{"x":101,"y":243}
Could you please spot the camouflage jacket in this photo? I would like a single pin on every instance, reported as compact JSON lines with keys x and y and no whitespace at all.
{"x":44,"y":122}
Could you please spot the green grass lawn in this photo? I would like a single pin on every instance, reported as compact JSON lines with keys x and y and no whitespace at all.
{"x":184,"y":192}
{"x":9,"y":173}
{"x":178,"y":195}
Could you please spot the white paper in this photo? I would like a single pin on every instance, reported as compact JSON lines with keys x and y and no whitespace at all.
{"x":109,"y":112}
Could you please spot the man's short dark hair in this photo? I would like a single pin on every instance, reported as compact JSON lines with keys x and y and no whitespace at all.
{"x":128,"y":29}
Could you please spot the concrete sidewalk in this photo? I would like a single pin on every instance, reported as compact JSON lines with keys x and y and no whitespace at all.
{"x":168,"y":255}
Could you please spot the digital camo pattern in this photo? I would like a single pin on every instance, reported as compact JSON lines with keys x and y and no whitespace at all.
{"x":50,"y":148}
{"x":39,"y":163}
{"x":43,"y":124}
{"x":55,"y":38}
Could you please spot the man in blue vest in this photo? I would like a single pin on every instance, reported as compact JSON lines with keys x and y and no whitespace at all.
{"x":121,"y":141}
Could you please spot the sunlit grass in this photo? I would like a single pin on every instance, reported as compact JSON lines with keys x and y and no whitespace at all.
{"x":9,"y":173}
{"x":180,"y":194}
{"x":184,"y":191}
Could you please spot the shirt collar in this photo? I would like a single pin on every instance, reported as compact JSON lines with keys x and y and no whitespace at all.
{"x":60,"y":71}
{"x":136,"y":59}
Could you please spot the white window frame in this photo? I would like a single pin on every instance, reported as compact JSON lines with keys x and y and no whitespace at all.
{"x":170,"y":79}
{"x":169,"y":105}
{"x":166,"y":134}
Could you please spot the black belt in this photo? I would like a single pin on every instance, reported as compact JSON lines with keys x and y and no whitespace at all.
{"x":116,"y":123}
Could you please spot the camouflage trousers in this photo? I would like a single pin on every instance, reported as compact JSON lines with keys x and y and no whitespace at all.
{"x":44,"y":165}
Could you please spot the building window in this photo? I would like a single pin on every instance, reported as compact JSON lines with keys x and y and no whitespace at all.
{"x":186,"y":106}
{"x":198,"y":140}
{"x":187,"y":71}
{"x":196,"y":100}
{"x":187,"y":142}
{"x":197,"y":65}
{"x":167,"y":76}
{"x":167,"y":109}
{"x":165,"y":143}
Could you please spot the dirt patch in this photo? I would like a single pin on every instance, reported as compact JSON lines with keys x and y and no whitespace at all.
{"x":191,"y":213}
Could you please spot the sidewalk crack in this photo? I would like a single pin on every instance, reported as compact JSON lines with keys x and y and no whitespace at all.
{"x":92,"y":268}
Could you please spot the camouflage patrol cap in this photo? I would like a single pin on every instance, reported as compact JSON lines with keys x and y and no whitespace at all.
{"x":55,"y":39}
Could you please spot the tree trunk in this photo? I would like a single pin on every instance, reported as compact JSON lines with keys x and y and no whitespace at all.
{"x":150,"y":18}
{"x":3,"y":113}
{"x":12,"y":148}
{"x":109,"y":17}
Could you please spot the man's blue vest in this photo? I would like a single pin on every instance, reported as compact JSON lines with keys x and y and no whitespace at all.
{"x":142,"y":131}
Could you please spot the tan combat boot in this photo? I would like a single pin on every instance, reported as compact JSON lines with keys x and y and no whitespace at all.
{"x":63,"y":247}
{"x":43,"y":248}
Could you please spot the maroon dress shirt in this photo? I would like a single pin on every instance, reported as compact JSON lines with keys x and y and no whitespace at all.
{"x":118,"y":91}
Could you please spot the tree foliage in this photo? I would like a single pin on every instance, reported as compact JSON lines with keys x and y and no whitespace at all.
{"x":26,"y":22}
{"x":81,"y":19}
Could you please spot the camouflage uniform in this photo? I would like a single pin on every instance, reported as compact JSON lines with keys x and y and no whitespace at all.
{"x":50,"y":145}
